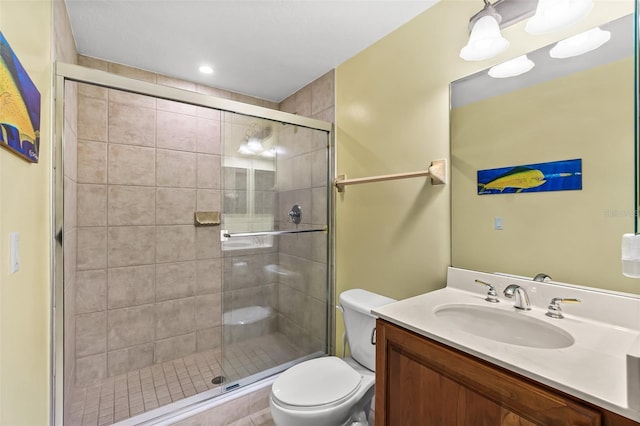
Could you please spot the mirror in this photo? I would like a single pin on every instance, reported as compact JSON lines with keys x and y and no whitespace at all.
{"x":563,"y":109}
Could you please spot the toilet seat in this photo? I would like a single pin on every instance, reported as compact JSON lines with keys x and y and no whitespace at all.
{"x":323,"y":382}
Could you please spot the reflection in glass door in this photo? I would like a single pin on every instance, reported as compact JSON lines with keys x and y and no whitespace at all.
{"x":275,"y":246}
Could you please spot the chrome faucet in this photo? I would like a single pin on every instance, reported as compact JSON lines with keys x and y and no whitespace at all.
{"x":541,"y":277}
{"x":522,"y":299}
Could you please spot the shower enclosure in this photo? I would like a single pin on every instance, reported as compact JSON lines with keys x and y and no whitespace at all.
{"x":194,"y":232}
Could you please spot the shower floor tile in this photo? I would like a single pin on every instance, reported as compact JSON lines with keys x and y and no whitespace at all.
{"x":121,"y":397}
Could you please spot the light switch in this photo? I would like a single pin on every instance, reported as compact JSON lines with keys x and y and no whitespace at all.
{"x":497,"y":224}
{"x":14,"y":250}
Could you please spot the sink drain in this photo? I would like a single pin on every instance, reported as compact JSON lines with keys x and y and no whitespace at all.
{"x":218,"y":380}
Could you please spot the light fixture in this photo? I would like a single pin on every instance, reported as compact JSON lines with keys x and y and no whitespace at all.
{"x":205,"y":69}
{"x":553,"y":15}
{"x":580,"y":43}
{"x":485,"y":40}
{"x":253,"y":142}
{"x":512,"y":68}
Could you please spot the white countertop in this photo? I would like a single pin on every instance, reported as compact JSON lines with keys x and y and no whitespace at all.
{"x":594,"y":368}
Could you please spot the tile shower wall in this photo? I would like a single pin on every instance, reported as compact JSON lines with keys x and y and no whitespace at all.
{"x":115,"y":168}
{"x":148,"y":282}
{"x":302,"y":179}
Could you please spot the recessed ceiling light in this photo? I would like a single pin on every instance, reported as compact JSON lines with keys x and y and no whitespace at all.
{"x":205,"y":69}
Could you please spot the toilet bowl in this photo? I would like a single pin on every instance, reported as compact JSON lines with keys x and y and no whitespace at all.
{"x":332,"y":391}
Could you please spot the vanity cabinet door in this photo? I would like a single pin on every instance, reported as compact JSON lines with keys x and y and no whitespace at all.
{"x":420,"y":382}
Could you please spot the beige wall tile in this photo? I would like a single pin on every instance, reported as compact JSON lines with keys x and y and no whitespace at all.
{"x":208,"y":113}
{"x":131,"y":124}
{"x":91,"y":291}
{"x":175,"y":243}
{"x":131,"y":245}
{"x":209,"y":276}
{"x":129,"y":359}
{"x":175,"y":317}
{"x":92,"y":205}
{"x":302,"y":171}
{"x":208,"y":242}
{"x":175,"y":82}
{"x":91,"y":334}
{"x":208,"y":339}
{"x":320,"y":140}
{"x":175,"y":206}
{"x":92,"y":248}
{"x":92,"y":91}
{"x":302,"y":103}
{"x":92,"y":119}
{"x":208,"y":200}
{"x":121,"y":334}
{"x":319,"y":173}
{"x":288,"y":104}
{"x":208,"y":171}
{"x":175,"y":347}
{"x":130,"y":72}
{"x":213,"y":91}
{"x":208,"y":136}
{"x":88,"y":61}
{"x":319,"y":206}
{"x":70,"y":257}
{"x":176,"y":169}
{"x":176,"y":131}
{"x":323,"y":93}
{"x":122,"y":97}
{"x":328,"y":115}
{"x":131,"y":165}
{"x":175,"y":280}
{"x":177,"y":107}
{"x":208,"y":311}
{"x":131,"y":286}
{"x":92,"y":162}
{"x":131,"y":205}
{"x":91,"y":369}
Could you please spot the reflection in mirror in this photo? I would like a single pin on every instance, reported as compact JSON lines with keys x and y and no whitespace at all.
{"x":562,"y":109}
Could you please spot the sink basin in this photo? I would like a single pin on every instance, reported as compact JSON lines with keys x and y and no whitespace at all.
{"x":515,"y":328}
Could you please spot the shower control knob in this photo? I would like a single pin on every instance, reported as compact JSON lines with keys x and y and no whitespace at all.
{"x":295,"y":215}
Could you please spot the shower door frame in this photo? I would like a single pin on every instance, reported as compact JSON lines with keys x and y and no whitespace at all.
{"x":80,"y":74}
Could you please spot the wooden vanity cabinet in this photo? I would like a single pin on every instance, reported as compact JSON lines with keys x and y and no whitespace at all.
{"x":420,"y":382}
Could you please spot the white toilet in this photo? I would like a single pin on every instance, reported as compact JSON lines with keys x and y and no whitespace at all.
{"x":332,"y":391}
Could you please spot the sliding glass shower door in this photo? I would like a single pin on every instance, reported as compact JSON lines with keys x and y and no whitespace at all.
{"x":275,"y":189}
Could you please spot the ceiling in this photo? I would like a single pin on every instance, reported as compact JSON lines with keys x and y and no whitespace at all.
{"x":267,"y":49}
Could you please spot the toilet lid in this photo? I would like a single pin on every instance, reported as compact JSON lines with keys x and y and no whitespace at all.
{"x":316,"y":382}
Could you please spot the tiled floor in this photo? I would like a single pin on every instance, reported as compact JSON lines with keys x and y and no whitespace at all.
{"x":120,"y":397}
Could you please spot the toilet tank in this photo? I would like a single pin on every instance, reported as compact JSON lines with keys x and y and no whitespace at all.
{"x":359,"y":323}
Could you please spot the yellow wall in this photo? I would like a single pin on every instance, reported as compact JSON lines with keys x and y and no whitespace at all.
{"x":24,"y":208}
{"x":587,"y":115}
{"x":392,"y":116}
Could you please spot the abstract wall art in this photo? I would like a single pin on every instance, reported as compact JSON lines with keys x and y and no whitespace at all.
{"x":19,"y":106}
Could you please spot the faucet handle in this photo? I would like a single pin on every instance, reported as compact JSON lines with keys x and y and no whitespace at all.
{"x":555,"y":310}
{"x":492,"y":295}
